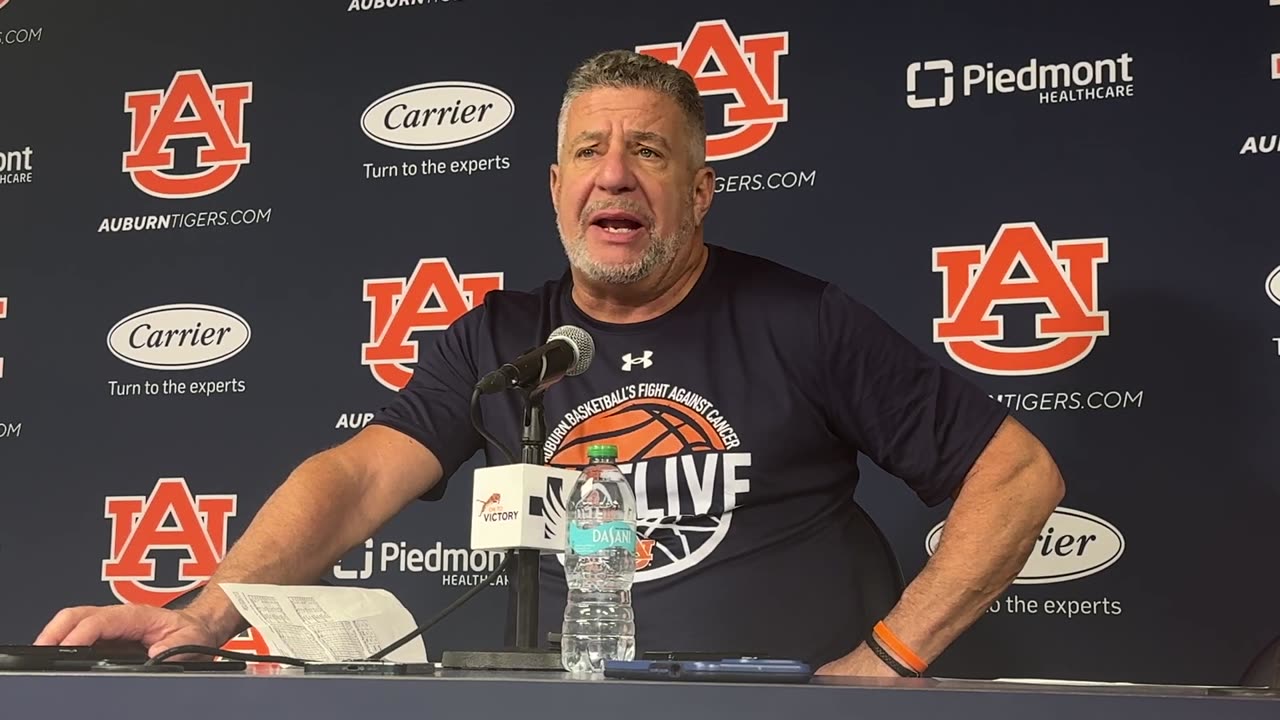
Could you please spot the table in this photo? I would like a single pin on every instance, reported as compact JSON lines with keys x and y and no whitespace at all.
{"x":287,"y":693}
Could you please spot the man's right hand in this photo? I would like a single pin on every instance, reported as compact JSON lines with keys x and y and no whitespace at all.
{"x":329,"y":504}
{"x":156,"y":628}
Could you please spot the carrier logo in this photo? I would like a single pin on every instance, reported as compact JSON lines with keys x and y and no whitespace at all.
{"x":1055,"y":82}
{"x":677,"y":449}
{"x":1273,"y":289}
{"x":171,"y":518}
{"x":438,"y":115}
{"x":976,"y":280}
{"x":179,"y":337}
{"x":430,"y":299}
{"x":746,"y":69}
{"x":188,"y":108}
{"x":1072,"y":545}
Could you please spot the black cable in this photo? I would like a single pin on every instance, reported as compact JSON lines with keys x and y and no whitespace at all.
{"x":218,"y":652}
{"x":506,"y":560}
{"x":479,"y":426}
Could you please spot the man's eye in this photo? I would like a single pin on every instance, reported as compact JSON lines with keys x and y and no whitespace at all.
{"x":648,"y":153}
{"x":585,"y":151}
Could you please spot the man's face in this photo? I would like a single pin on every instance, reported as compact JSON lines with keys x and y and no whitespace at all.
{"x":626,"y":197}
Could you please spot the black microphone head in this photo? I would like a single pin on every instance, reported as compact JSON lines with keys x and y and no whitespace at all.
{"x":584,"y":347}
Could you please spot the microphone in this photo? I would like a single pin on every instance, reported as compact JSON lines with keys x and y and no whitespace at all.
{"x":569,"y":350}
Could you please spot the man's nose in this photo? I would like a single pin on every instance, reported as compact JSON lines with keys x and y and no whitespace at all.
{"x":614,"y":174}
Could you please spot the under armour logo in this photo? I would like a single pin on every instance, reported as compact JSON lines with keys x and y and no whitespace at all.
{"x":643,"y":361}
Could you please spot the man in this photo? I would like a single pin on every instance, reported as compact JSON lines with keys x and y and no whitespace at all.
{"x":739,"y":393}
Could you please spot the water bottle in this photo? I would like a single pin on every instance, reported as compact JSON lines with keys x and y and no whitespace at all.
{"x":599,"y":566}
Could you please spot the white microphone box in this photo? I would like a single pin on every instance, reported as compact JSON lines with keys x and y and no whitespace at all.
{"x":520,"y":507}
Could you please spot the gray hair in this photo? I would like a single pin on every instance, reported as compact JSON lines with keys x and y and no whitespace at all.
{"x":627,"y":69}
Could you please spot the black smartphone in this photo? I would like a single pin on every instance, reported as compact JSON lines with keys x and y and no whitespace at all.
{"x":35,"y":658}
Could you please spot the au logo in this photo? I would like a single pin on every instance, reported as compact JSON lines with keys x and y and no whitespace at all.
{"x":188,"y":108}
{"x":432,"y":298}
{"x":1062,"y":276}
{"x":747,"y":70}
{"x":171,"y":518}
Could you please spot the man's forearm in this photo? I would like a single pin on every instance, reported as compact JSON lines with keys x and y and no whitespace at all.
{"x":302,"y":529}
{"x":988,"y":536}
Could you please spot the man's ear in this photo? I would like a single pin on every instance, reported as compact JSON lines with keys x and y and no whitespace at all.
{"x":704,"y":189}
{"x":555,"y":187}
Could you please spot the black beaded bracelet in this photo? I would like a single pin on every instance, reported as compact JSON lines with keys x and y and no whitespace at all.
{"x":888,"y":659}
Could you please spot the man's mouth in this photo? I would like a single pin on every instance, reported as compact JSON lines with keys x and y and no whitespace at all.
{"x":616,"y":222}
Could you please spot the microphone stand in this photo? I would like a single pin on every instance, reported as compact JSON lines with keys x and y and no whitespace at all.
{"x":532,"y":438}
{"x":526,"y":655}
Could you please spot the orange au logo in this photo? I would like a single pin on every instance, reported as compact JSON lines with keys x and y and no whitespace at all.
{"x":430,"y":299}
{"x":747,"y":70}
{"x":171,"y":518}
{"x":188,"y":108}
{"x":1062,"y":276}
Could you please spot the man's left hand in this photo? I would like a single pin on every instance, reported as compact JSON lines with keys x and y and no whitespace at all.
{"x":859,"y":663}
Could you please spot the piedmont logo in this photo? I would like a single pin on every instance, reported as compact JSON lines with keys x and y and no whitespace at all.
{"x":171,"y":518}
{"x":10,"y":430}
{"x":455,"y":566}
{"x":437,"y":116}
{"x":1055,"y":82}
{"x":675,"y":446}
{"x":976,"y":280}
{"x":403,"y":306}
{"x":1072,"y":545}
{"x":179,"y":337}
{"x":15,"y":167}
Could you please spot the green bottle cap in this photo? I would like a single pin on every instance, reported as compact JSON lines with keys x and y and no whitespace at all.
{"x":602,"y":452}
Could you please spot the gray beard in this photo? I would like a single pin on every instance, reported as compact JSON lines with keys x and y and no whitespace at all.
{"x":660,"y":252}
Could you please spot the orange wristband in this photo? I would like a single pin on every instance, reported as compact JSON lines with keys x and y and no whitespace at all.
{"x":899,"y":648}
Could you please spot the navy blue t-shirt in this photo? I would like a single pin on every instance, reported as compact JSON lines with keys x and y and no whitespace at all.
{"x":739,"y":416}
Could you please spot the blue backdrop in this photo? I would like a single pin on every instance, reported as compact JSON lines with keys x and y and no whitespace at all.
{"x":1071,"y":203}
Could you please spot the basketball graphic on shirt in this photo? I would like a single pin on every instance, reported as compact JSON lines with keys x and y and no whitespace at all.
{"x":642,"y":429}
{"x":675,"y":454}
